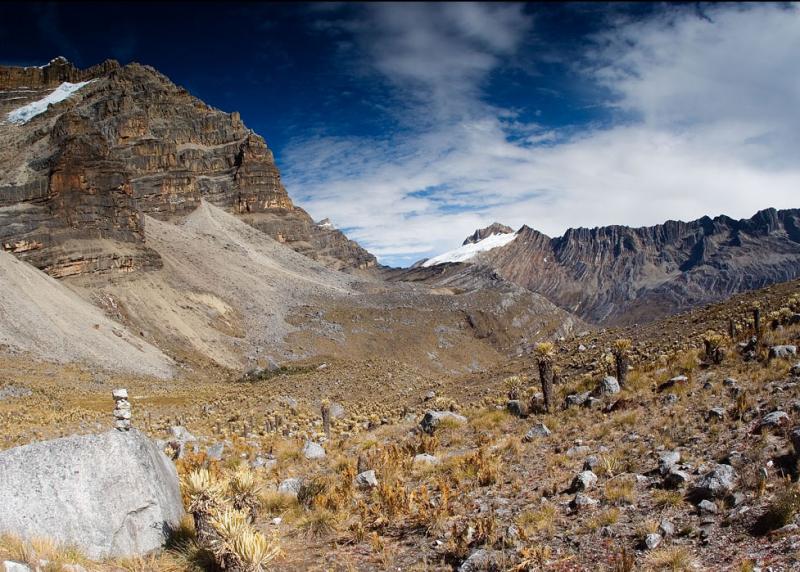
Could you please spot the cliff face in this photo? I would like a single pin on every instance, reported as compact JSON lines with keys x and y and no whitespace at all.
{"x":618,"y":274}
{"x":77,"y":179}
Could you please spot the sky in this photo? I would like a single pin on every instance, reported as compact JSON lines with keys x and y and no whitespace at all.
{"x":411,"y":125}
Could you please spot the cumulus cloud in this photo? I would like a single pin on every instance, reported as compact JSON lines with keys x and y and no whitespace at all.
{"x":707,"y":123}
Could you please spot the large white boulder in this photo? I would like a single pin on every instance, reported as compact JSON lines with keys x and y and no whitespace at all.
{"x":113,"y":494}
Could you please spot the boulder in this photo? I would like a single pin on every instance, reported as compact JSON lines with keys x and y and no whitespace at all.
{"x":717,"y":483}
{"x":609,"y":386}
{"x":782,"y":351}
{"x":538,"y":430}
{"x":112,"y":495}
{"x":367,"y":480}
{"x":313,"y":451}
{"x":433,"y":419}
{"x":771,"y":421}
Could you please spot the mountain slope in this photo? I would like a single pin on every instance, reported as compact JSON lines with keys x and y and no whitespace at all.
{"x":618,"y":274}
{"x":129,"y":144}
{"x":41,"y":317}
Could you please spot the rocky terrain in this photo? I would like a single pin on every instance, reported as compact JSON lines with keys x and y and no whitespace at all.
{"x":622,"y":275}
{"x":194,"y":375}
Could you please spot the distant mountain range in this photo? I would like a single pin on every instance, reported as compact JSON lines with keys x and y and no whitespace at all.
{"x":618,"y":274}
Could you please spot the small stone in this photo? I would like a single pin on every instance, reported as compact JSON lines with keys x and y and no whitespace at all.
{"x":578,"y":451}
{"x":367,"y":480}
{"x":11,"y":566}
{"x":425,"y":459}
{"x":517,"y":408}
{"x":214,"y":452}
{"x":433,"y":419}
{"x":652,"y":540}
{"x":591,"y":462}
{"x":313,"y":451}
{"x":481,"y":560}
{"x":730,"y":382}
{"x":666,"y":527}
{"x":782,"y":351}
{"x":582,"y":501}
{"x":716,"y":413}
{"x":538,"y":430}
{"x":796,"y":369}
{"x":707,"y":507}
{"x":668,"y":460}
{"x":774,"y":420}
{"x":290,"y":486}
{"x":676,"y":478}
{"x":584,"y":481}
{"x":430,"y":395}
{"x":717,"y":483}
{"x":577,"y":399}
{"x":794,"y":435}
{"x":119,"y":394}
{"x":609,"y":386}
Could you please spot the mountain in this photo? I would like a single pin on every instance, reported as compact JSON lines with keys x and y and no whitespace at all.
{"x":88,"y":154}
{"x":168,"y":219}
{"x":618,"y":274}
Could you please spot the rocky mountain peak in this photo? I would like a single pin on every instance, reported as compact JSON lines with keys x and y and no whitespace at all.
{"x":79,"y":175}
{"x":481,"y":233}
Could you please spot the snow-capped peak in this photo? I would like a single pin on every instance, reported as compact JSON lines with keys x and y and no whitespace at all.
{"x":28,"y":112}
{"x":467,"y":251}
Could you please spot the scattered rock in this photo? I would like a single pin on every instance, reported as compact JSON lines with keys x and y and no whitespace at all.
{"x":425,"y":459}
{"x":517,"y":408}
{"x":677,"y":381}
{"x":180,"y":439}
{"x":668,"y":460}
{"x":11,"y":566}
{"x":609,"y":386}
{"x":113,"y":494}
{"x":214,"y":452}
{"x":290,"y":486}
{"x":577,"y":399}
{"x":313,"y":451}
{"x":716,"y":413}
{"x":676,"y":478}
{"x":796,"y":370}
{"x":14,"y":391}
{"x":433,"y":419}
{"x":482,"y":560}
{"x":717,"y":483}
{"x":367,"y":480}
{"x":590,"y":463}
{"x":772,"y":421}
{"x":666,"y":527}
{"x":538,"y":430}
{"x":782,"y":351}
{"x":578,"y":451}
{"x":707,"y":507}
{"x":582,"y":501}
{"x":584,"y":481}
{"x":652,"y":540}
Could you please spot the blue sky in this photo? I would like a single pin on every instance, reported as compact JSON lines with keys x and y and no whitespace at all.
{"x":411,"y":125}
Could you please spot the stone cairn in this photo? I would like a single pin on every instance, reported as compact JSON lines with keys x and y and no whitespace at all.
{"x":122,"y":410}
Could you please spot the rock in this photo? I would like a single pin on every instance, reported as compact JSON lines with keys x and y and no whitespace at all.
{"x":584,"y":481}
{"x":11,"y":566}
{"x":590,"y":463}
{"x":577,"y":399}
{"x":582,"y":501}
{"x":313,"y":451}
{"x":214,"y":452}
{"x":367,"y":480}
{"x":14,"y":392}
{"x":676,"y":478}
{"x":578,"y":451}
{"x":261,"y":463}
{"x":538,"y":430}
{"x":517,"y":408}
{"x":668,"y":460}
{"x":112,"y":495}
{"x":433,"y":419}
{"x":774,"y":420}
{"x":717,"y":483}
{"x":290,"y":486}
{"x":581,"y":348}
{"x":677,"y":381}
{"x":782,"y":351}
{"x":796,"y":369}
{"x":337,"y":410}
{"x":652,"y":540}
{"x":707,"y":507}
{"x":425,"y":459}
{"x":716,"y":413}
{"x":593,"y":403}
{"x":430,"y":395}
{"x":481,"y":560}
{"x":609,"y":386}
{"x":180,"y":439}
{"x":794,"y":436}
{"x":730,"y":382}
{"x":666,"y":527}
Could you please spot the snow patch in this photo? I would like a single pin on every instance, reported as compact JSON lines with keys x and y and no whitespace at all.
{"x":28,"y":112}
{"x":325,"y":223}
{"x":467,"y":251}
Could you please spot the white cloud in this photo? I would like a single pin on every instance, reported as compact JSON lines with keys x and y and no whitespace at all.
{"x":711,"y":126}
